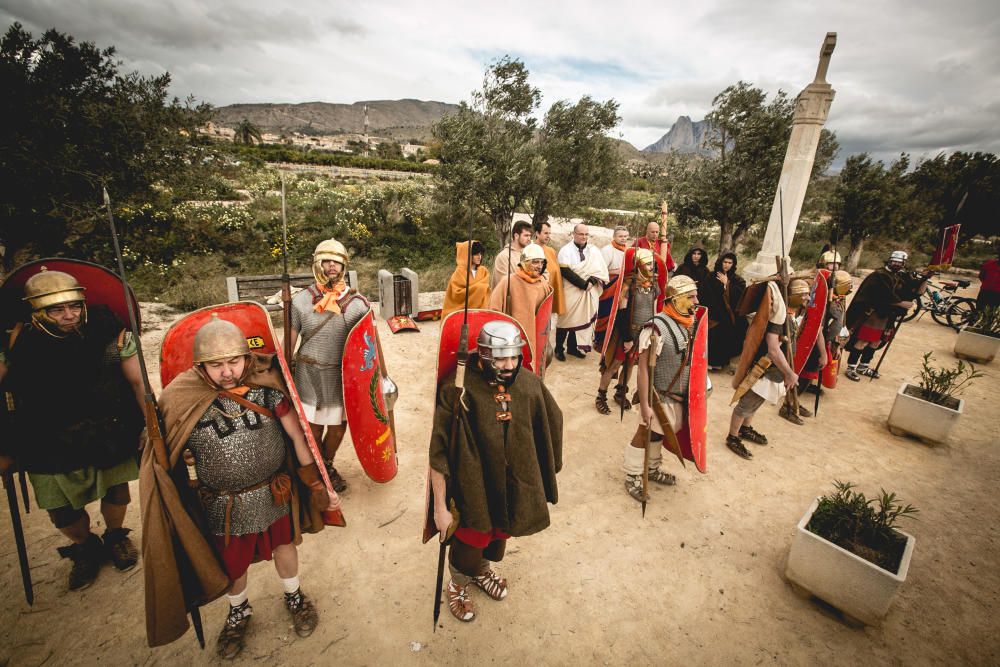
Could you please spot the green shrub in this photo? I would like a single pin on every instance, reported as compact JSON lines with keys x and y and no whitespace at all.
{"x":863,"y":526}
{"x":940,"y":385}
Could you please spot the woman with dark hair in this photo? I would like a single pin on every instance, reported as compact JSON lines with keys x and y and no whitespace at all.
{"x":721,"y":293}
{"x":695,"y":266}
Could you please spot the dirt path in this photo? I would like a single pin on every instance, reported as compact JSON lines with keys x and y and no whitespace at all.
{"x":698,"y":581}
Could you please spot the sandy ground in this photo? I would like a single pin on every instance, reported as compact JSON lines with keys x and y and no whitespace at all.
{"x":699,"y":580}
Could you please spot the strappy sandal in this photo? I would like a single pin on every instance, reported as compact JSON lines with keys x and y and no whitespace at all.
{"x":661,"y":477}
{"x":601,"y":402}
{"x":492,"y":584}
{"x":459,"y":603}
{"x":234,"y":631}
{"x":750,"y":433}
{"x":304,"y":616}
{"x":633,"y":486}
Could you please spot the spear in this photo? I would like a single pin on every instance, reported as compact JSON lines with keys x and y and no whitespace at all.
{"x":793,"y":399}
{"x":151,"y":411}
{"x":286,"y":281}
{"x":462,"y":359}
{"x":22,"y":550}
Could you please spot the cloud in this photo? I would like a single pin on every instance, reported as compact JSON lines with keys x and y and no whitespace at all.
{"x":910,"y":76}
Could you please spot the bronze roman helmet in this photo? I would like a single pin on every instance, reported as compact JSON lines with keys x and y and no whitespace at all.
{"x":798,"y":292}
{"x":219,"y":339}
{"x":842,"y":283}
{"x":680,"y":289}
{"x":328,"y":249}
{"x":52,"y":288}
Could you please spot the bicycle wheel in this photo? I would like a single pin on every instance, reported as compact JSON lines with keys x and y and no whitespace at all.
{"x":939,"y":311}
{"x":961,"y":312}
{"x":918,"y":303}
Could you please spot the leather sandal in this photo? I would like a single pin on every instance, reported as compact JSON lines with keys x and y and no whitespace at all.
{"x":738,"y":447}
{"x":234,"y":631}
{"x":304,"y":616}
{"x":601,"y":402}
{"x":660,"y":477}
{"x":492,"y":584}
{"x":459,"y":603}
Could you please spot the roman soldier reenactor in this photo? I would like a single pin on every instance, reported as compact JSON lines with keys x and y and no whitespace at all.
{"x":637,"y":299}
{"x":840,"y":285}
{"x":323,"y":315}
{"x":667,"y":337}
{"x":764,"y":373}
{"x":495,"y":462}
{"x":74,"y":377}
{"x":243,"y":473}
{"x":883,"y":297}
{"x":798,"y":300}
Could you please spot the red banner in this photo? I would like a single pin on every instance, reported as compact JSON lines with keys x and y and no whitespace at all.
{"x":945,"y":252}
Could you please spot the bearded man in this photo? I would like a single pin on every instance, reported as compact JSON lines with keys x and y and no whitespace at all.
{"x":81,"y":447}
{"x":322,"y":316}
{"x":584,"y":273}
{"x":527,"y":289}
{"x":496,"y":463}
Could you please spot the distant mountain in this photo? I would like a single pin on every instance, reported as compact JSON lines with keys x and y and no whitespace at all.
{"x":399,"y":116}
{"x":684,"y":137}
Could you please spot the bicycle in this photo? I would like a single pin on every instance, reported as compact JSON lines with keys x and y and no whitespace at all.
{"x":944,"y":305}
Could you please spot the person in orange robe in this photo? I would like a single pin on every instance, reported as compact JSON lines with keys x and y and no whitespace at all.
{"x":477,"y":279}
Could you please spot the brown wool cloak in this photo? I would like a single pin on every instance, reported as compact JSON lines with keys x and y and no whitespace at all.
{"x":525,"y":298}
{"x":479,"y":284}
{"x":491,"y":489}
{"x":180,"y":564}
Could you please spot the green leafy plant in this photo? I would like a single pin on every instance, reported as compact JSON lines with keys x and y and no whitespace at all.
{"x":863,"y":526}
{"x":940,"y":385}
{"x":987,"y":321}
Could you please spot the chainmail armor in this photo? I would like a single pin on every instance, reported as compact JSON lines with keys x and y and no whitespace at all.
{"x":317,"y":367}
{"x":643,"y":304}
{"x":236,"y":448}
{"x":675,"y":342}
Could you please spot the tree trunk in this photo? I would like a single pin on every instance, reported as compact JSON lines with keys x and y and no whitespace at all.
{"x":854,"y":255}
{"x":726,"y":240}
{"x":502,"y":222}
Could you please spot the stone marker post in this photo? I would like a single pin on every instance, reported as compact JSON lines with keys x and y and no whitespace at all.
{"x":812,"y":107}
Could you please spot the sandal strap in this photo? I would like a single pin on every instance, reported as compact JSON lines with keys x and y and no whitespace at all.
{"x":459,"y":603}
{"x":494,"y":585}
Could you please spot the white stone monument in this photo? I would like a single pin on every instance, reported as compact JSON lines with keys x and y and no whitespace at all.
{"x":812,"y":107}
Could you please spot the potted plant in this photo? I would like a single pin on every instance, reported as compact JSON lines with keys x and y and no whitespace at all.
{"x":930,"y":409}
{"x":980,"y":339}
{"x":848,"y":552}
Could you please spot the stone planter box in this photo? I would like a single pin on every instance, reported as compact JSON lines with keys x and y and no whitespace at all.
{"x":861,"y":590}
{"x":976,"y":346}
{"x":930,"y":422}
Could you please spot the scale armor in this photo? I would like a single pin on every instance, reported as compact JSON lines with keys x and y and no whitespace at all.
{"x":317,"y":371}
{"x":675,"y":341}
{"x":237,"y":453}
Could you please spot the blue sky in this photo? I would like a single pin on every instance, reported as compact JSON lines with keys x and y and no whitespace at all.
{"x":920,"y":77}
